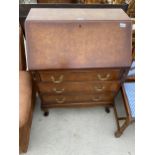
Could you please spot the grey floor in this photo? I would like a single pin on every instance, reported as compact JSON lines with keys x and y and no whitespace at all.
{"x":79,"y":131}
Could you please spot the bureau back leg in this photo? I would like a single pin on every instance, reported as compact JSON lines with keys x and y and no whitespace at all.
{"x":107,"y":109}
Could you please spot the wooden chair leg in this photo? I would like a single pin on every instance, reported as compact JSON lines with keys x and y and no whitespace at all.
{"x":121,"y":129}
{"x":24,"y":135}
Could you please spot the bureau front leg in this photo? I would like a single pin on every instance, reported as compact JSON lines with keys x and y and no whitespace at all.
{"x":45,"y":111}
{"x":43,"y":108}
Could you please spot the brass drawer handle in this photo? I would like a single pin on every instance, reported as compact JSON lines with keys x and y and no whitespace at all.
{"x":60,"y":100}
{"x":58,"y":91}
{"x":103,"y":78}
{"x":57,"y":81}
{"x":96,"y":98}
{"x":99,"y":89}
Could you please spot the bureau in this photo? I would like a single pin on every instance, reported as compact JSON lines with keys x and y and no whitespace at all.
{"x":78,"y":57}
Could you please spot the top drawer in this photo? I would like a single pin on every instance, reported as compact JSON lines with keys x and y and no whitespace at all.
{"x":59,"y":76}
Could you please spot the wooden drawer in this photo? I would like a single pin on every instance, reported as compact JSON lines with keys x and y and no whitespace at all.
{"x":56,"y":1}
{"x":62,"y":99}
{"x":60,"y":76}
{"x":78,"y":87}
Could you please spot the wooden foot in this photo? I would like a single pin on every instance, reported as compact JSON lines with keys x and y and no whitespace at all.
{"x":107,"y":110}
{"x":46,"y":113}
{"x":118,"y":134}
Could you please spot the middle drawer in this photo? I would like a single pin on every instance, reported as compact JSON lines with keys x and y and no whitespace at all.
{"x":77,"y":87}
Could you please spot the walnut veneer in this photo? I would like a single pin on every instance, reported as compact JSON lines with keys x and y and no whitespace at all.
{"x":78,"y":57}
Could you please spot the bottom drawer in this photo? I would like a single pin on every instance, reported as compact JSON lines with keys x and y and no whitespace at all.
{"x":65,"y":99}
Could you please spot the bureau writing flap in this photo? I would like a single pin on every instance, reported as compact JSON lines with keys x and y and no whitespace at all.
{"x":85,"y":43}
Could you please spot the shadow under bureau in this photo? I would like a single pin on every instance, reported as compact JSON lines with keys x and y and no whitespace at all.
{"x":78,"y":57}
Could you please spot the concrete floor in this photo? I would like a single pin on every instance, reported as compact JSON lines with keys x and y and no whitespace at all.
{"x":79,"y":131}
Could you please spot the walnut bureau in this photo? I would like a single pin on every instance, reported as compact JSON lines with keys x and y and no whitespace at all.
{"x":78,"y":57}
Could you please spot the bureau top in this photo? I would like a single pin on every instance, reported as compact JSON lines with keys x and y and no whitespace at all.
{"x":44,"y":14}
{"x":78,"y":38}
